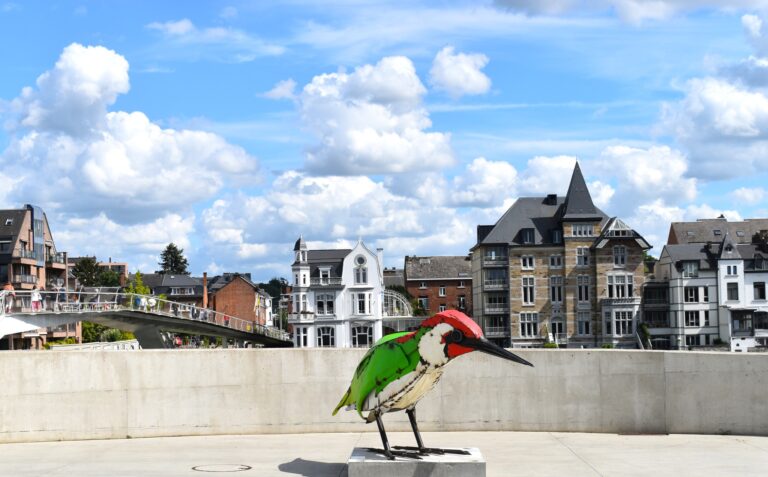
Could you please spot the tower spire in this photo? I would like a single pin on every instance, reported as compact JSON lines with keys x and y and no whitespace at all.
{"x":578,"y":201}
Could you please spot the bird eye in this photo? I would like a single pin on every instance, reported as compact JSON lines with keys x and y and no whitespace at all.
{"x":457,"y":336}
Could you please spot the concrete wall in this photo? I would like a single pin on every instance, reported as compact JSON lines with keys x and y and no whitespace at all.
{"x":111,"y":394}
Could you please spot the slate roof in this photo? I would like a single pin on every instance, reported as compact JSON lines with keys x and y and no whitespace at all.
{"x":450,"y":267}
{"x":578,"y":202}
{"x":161,"y":283}
{"x":218,"y":282}
{"x":333,"y":258}
{"x":542,"y":214}
{"x":394,"y":277}
{"x":694,"y":252}
{"x":707,"y":230}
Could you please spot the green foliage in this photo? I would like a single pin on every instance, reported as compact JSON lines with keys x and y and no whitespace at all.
{"x":274,"y":287}
{"x":645,"y":335}
{"x":401,"y":290}
{"x":92,"y":332}
{"x":111,"y":334}
{"x":418,"y":310}
{"x":551,"y":345}
{"x":172,"y":261}
{"x":137,"y":287}
{"x":87,"y":272}
{"x":607,"y":346}
{"x":108,"y":278}
{"x":65,"y":341}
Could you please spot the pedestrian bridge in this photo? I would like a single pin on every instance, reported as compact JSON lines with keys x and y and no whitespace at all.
{"x":149,"y":318}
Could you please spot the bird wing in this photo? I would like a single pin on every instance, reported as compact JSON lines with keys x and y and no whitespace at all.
{"x":392,"y":357}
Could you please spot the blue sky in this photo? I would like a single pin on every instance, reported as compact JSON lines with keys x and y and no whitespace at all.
{"x":232,"y":127}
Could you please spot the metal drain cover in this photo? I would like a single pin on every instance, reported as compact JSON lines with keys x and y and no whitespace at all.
{"x":222,"y":468}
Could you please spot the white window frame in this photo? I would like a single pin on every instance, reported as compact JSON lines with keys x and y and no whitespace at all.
{"x":357,"y":331}
{"x":527,"y":262}
{"x":302,"y":337}
{"x":619,"y":256}
{"x":441,"y":290}
{"x":621,"y":285}
{"x":728,"y":290}
{"x":582,"y":288}
{"x":441,"y":308}
{"x":324,"y":304}
{"x":556,"y":261}
{"x":582,"y":256}
{"x":528,"y":291}
{"x":582,"y":230}
{"x":556,"y":289}
{"x":529,"y":325}
{"x":690,"y":269}
{"x":326,"y":332}
{"x":583,"y":323}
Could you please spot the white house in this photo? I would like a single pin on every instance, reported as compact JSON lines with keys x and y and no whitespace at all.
{"x":337,"y":296}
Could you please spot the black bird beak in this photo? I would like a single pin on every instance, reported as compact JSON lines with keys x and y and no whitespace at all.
{"x":488,"y":347}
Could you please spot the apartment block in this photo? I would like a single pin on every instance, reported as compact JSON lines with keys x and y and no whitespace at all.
{"x":558,"y":269}
{"x":440,"y":283}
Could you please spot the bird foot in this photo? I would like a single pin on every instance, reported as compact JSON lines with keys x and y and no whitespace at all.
{"x":431,"y":450}
{"x":395,"y":453}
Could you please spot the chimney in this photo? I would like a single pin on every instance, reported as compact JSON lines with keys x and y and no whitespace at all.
{"x":205,"y":289}
{"x":380,"y":256}
{"x":551,"y":199}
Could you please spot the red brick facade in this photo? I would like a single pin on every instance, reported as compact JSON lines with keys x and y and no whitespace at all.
{"x":236,"y":298}
{"x":457,"y":294}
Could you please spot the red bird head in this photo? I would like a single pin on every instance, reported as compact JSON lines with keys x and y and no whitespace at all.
{"x":461,"y":335}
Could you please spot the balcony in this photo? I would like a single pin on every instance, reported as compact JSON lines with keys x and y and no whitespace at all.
{"x":495,"y":284}
{"x":621,"y":301}
{"x":30,"y":279}
{"x":495,"y":261}
{"x":24,"y":253}
{"x":302,"y":317}
{"x":57,"y":258}
{"x":496,"y":309}
{"x":326,"y":282}
{"x":496,"y":331}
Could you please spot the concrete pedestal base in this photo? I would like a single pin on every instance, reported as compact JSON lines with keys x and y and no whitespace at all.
{"x":364,"y":463}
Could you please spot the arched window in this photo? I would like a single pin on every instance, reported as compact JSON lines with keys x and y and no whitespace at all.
{"x":362,"y":336}
{"x":361,"y":270}
{"x":326,"y":337}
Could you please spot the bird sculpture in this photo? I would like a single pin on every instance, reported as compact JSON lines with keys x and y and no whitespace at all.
{"x":402,"y":367}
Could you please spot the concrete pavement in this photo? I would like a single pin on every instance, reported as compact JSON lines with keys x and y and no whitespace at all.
{"x":316,"y":455}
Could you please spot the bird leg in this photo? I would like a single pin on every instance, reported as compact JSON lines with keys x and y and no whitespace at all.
{"x":420,"y":444}
{"x":388,"y":452}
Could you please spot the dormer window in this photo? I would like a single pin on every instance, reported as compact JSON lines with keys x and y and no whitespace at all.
{"x":527,"y":236}
{"x":557,"y":236}
{"x":690,"y":269}
{"x":9,"y":221}
{"x":583,"y":230}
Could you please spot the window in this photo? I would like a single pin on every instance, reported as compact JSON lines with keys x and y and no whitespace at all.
{"x":9,"y":221}
{"x":608,"y":323}
{"x":303,"y":279}
{"x":361,"y":275}
{"x":582,"y":288}
{"x":692,"y":340}
{"x":705,"y":320}
{"x":732,"y":270}
{"x":296,"y":279}
{"x":182,"y":291}
{"x":303,"y":302}
{"x":362,"y":336}
{"x":361,"y":303}
{"x":717,"y":232}
{"x":558,"y":326}
{"x":495,"y":277}
{"x":424,"y":303}
{"x":556,"y":289}
{"x":422,"y":285}
{"x":302,"y":337}
{"x":326,"y":337}
{"x":441,"y":308}
{"x":325,"y":275}
{"x":529,"y":291}
{"x":733,"y":291}
{"x":582,"y":322}
{"x":619,"y":256}
{"x":690,"y":269}
{"x":705,"y":294}
{"x":462,"y":302}
{"x":624,"y":325}
{"x":324,"y":304}
{"x":555,"y":261}
{"x":495,"y":253}
{"x":582,"y":256}
{"x":691,"y":294}
{"x":620,"y":286}
{"x":557,"y":236}
{"x":527,"y":262}
{"x":656,"y":318}
{"x":5,"y":246}
{"x":692,"y":318}
{"x":759,"y":290}
{"x":441,"y":291}
{"x":461,"y":284}
{"x":529,"y":324}
{"x":582,"y":230}
{"x":527,"y":236}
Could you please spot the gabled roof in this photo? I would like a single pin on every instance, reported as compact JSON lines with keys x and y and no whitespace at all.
{"x":448,"y":267}
{"x":707,"y":230}
{"x":218,"y":282}
{"x":11,"y":232}
{"x":729,"y":250}
{"x":693,"y":252}
{"x":578,"y":201}
{"x":616,"y":229}
{"x":154,"y":280}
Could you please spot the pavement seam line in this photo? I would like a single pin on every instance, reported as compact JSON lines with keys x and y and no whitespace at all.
{"x":561,"y":442}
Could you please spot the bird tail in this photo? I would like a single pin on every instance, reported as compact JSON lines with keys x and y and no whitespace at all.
{"x":344,"y":401}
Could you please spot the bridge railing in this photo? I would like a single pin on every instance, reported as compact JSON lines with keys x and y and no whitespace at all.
{"x":96,"y":300}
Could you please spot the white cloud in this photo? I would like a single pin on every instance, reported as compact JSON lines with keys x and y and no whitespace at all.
{"x":282,"y":90}
{"x":184,"y":40}
{"x":94,"y":160}
{"x":484,"y":183}
{"x":372,"y":121}
{"x":547,"y":175}
{"x":602,"y":193}
{"x":228,"y":13}
{"x":459,"y":74}
{"x":749,"y":195}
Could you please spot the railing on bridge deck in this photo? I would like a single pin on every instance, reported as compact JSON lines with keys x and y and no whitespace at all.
{"x":96,"y":301}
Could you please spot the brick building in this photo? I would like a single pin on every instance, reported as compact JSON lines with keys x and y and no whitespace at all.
{"x":440,"y":283}
{"x":236,"y":295}
{"x":29,"y":258}
{"x":558,"y":269}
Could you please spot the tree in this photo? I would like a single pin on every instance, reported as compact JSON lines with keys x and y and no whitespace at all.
{"x":137,"y":286}
{"x":108,"y":278}
{"x":87,"y":272}
{"x":274,"y":287}
{"x":172,"y":261}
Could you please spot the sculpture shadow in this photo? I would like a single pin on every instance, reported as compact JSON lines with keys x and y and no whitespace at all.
{"x":311,"y":468}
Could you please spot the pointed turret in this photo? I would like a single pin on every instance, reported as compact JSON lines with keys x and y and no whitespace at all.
{"x":578,"y":203}
{"x":729,"y":251}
